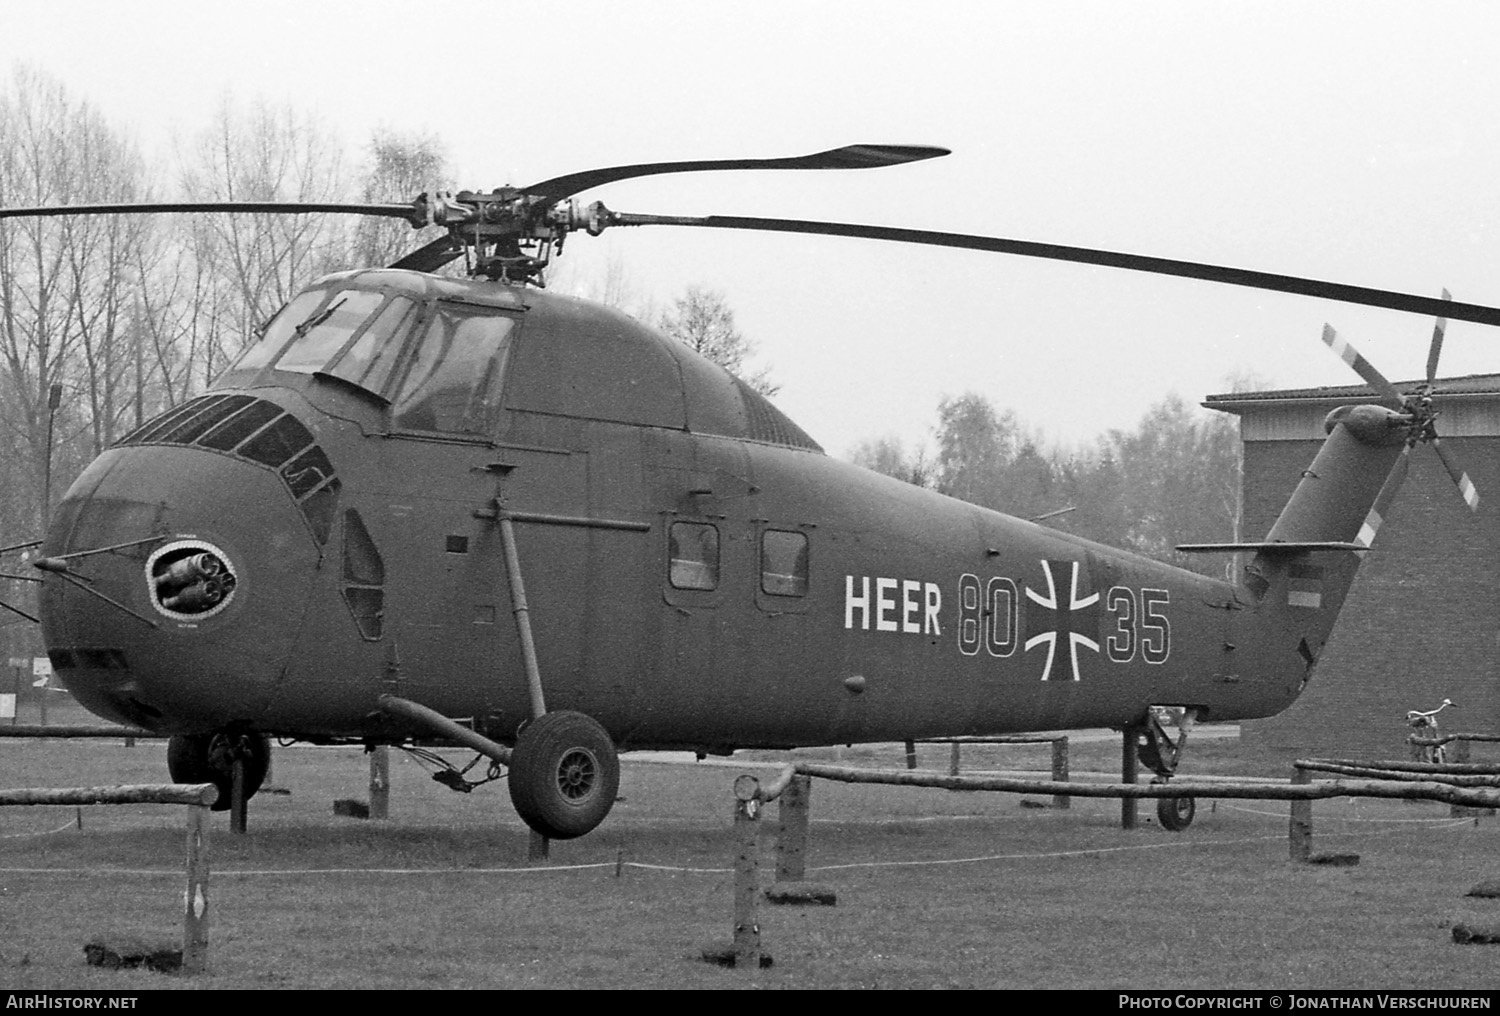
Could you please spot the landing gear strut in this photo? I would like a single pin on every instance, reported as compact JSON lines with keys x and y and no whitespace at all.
{"x":1160,"y":753}
{"x":210,"y":758}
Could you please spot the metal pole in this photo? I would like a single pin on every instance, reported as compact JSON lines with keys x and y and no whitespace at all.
{"x":54,"y":400}
{"x":521,"y":611}
{"x":238,"y":803}
{"x":1128,"y":775}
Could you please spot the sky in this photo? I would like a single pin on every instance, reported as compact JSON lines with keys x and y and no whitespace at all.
{"x":1353,"y":142}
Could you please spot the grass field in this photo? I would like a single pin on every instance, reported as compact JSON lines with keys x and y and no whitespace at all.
{"x":935,"y":888}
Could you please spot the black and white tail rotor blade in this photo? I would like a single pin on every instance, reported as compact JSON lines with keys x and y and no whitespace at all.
{"x":1364,"y":368}
{"x":1436,"y":349}
{"x":1376,"y":516}
{"x":1466,"y":488}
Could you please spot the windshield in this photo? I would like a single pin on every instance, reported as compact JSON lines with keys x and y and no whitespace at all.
{"x":319,"y":338}
{"x":439,"y":365}
{"x":281,"y":328}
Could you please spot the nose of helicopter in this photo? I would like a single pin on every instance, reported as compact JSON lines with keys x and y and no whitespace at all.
{"x":176,"y":582}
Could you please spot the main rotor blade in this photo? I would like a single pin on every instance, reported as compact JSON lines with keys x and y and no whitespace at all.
{"x":848,"y":157}
{"x":432,"y":256}
{"x":1365,"y":296}
{"x":18,"y":610}
{"x":154,"y":207}
{"x":1364,"y":368}
{"x":1435,"y":350}
{"x":1466,"y":488}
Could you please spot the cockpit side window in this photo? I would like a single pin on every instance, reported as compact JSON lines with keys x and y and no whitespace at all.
{"x":281,"y":329}
{"x":320,"y":337}
{"x":451,"y":383}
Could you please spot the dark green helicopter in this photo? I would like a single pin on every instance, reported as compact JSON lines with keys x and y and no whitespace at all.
{"x":427,"y":510}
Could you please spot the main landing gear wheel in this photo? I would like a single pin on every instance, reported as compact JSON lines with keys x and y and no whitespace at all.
{"x":1175,"y":813}
{"x":564,"y":774}
{"x":209,"y":758}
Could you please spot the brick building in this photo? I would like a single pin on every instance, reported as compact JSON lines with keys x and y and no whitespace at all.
{"x":1422,"y":622}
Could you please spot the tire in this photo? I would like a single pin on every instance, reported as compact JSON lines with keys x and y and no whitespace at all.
{"x":209,"y":758}
{"x":564,"y":774}
{"x":1175,"y":813}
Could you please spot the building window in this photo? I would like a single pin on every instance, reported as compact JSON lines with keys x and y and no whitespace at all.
{"x":694,"y":556}
{"x":783,"y":563}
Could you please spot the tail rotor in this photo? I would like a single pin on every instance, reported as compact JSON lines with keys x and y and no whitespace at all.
{"x":1416,"y":407}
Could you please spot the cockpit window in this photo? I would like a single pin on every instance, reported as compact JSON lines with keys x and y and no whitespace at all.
{"x":282,"y":327}
{"x":370,"y":360}
{"x":320,"y":337}
{"x":439,"y":365}
{"x":452,"y":381}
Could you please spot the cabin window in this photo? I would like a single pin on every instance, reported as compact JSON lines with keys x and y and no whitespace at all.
{"x":783,"y":563}
{"x":320,"y":337}
{"x":364,"y":577}
{"x":452,"y":379}
{"x":694,"y":556}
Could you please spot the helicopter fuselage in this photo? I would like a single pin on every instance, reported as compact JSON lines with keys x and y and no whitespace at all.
{"x":697,"y":573}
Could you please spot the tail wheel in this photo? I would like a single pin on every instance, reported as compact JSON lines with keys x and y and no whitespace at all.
{"x":209,"y":758}
{"x":564,"y":774}
{"x":1175,"y":813}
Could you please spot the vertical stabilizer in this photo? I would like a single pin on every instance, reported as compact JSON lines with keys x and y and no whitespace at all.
{"x":1302,"y":572}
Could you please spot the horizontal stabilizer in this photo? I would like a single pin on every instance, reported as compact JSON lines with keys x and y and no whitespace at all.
{"x":1268,"y":548}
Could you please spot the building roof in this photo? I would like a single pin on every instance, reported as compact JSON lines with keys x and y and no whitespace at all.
{"x":1472,"y":386}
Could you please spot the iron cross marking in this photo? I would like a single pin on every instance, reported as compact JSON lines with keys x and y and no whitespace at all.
{"x":1068,"y":624}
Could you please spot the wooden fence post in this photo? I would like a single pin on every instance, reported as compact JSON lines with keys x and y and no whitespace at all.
{"x":1060,"y":771}
{"x":380,"y":782}
{"x":791,"y":845}
{"x":911,"y":754}
{"x":746,"y":879}
{"x":195,"y":899}
{"x":953,"y":760}
{"x":1299,"y":832}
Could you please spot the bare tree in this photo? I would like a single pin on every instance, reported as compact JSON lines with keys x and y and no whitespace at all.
{"x":701,"y":320}
{"x":64,"y":282}
{"x":888,"y":455}
{"x":400,"y":166}
{"x":263,"y":153}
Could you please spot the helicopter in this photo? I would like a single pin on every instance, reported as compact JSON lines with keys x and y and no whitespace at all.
{"x":425,"y":510}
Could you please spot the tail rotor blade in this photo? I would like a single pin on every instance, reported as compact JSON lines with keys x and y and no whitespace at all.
{"x":1383,"y":500}
{"x":1466,"y":487}
{"x":1436,"y":349}
{"x":1364,"y":368}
